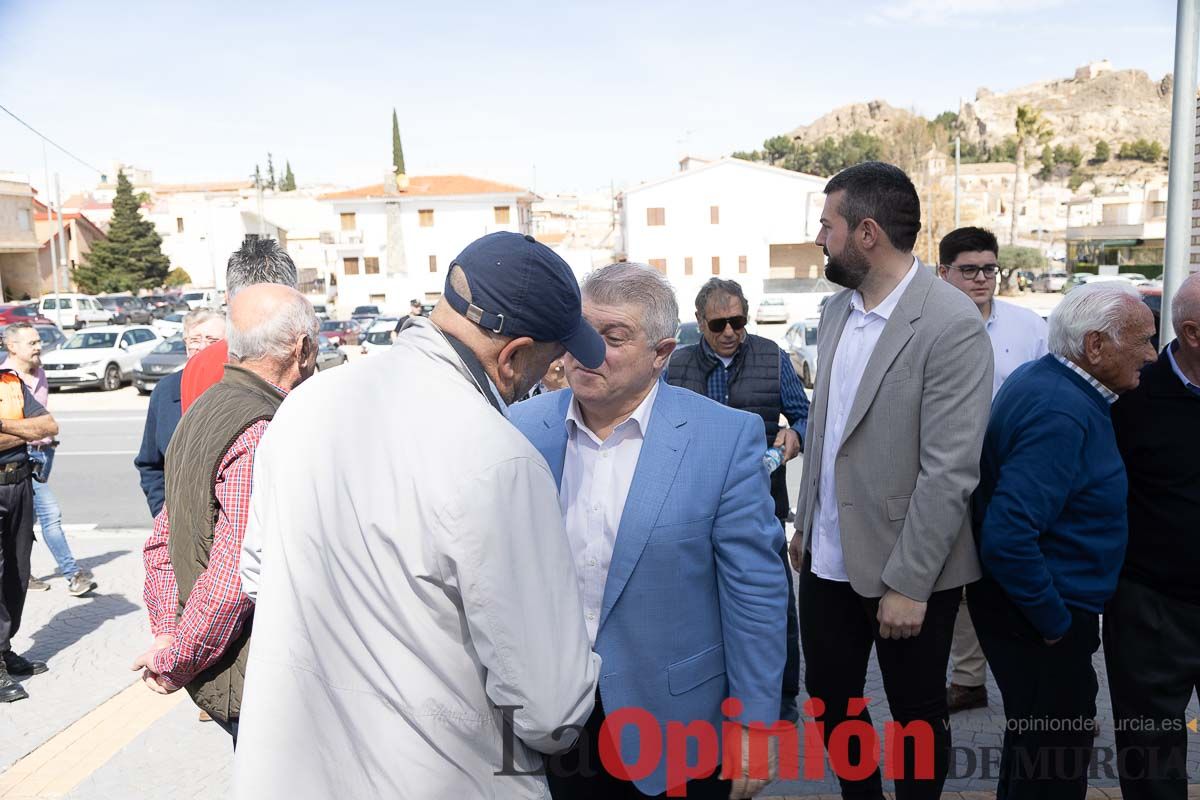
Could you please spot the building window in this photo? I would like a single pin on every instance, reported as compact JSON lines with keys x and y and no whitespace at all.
{"x":371,"y":265}
{"x":656,"y":216}
{"x":1195,"y":259}
{"x":433,"y":263}
{"x":425,"y":215}
{"x":502,"y":214}
{"x":179,"y":224}
{"x":350,"y":266}
{"x":742,"y":264}
{"x":716,"y":265}
{"x":251,"y":237}
{"x":687,"y":266}
{"x":659,"y":264}
{"x":23,"y":218}
{"x":714,"y":215}
{"x":349,"y":222}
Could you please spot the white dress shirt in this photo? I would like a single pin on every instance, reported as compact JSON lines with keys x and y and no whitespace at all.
{"x":595,"y":482}
{"x":1018,"y":336}
{"x":859,"y":337}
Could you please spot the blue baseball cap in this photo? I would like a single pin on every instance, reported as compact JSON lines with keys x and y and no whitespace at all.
{"x":520,"y":287}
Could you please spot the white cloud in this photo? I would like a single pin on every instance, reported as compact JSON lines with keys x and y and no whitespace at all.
{"x":940,"y":12}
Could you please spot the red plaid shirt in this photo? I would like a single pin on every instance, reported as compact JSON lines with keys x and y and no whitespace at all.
{"x":216,"y":609}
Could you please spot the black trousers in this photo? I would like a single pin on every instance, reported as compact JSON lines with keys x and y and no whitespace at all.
{"x":1049,"y":694}
{"x":16,"y":543}
{"x":1152,"y":651}
{"x":578,"y":773}
{"x":837,"y":630}
{"x":788,"y":709}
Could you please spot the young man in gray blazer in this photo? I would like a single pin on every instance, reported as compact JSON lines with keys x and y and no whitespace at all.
{"x":883,"y":539}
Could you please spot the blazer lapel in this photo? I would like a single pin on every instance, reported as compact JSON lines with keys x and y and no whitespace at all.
{"x":896,"y":333}
{"x":551,"y":439}
{"x":662,"y":451}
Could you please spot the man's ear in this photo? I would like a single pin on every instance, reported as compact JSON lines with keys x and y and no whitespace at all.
{"x":662,"y":352}
{"x":506,"y":359}
{"x":1093,"y":345}
{"x":1191,"y":333}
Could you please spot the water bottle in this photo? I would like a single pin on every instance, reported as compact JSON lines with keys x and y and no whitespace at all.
{"x":773,"y":459}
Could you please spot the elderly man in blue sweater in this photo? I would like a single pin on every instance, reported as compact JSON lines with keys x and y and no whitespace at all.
{"x":1050,"y":522}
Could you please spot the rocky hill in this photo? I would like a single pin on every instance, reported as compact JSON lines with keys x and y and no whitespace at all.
{"x":876,"y":117}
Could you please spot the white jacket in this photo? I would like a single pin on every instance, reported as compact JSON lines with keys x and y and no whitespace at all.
{"x":414,"y":576}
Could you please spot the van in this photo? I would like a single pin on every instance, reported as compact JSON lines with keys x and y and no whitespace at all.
{"x":203,"y":298}
{"x":74,"y":310}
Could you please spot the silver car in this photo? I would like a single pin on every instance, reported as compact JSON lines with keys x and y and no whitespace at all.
{"x":1050,"y":282}
{"x":771,"y":309}
{"x":801,"y":341}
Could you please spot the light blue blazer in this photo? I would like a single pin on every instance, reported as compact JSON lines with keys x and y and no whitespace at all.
{"x":695,"y":605}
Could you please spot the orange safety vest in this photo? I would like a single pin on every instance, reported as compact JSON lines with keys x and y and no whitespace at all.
{"x":12,"y":396}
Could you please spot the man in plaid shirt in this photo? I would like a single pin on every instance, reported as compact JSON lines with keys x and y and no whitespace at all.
{"x":201,"y":643}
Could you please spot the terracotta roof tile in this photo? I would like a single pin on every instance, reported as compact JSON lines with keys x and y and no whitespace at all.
{"x":432,"y":186}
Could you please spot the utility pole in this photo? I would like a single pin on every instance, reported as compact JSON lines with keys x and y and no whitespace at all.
{"x":62,"y":250}
{"x":957,"y":157}
{"x":53,"y":243}
{"x":1179,"y":195}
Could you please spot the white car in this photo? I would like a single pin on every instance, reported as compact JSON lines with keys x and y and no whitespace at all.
{"x":74,"y":310}
{"x":169,"y":325}
{"x":771,"y":309}
{"x":104,"y":356}
{"x":379,"y":335}
{"x":203,"y":298}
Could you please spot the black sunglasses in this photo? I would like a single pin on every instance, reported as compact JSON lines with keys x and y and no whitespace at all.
{"x":718,"y":325}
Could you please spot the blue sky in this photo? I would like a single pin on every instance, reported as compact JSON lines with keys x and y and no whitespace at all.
{"x":562,"y":99}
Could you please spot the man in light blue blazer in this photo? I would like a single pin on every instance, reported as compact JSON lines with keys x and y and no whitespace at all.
{"x":669,"y":515}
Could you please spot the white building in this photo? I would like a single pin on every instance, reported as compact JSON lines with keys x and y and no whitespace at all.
{"x":395,"y":244}
{"x":1124,"y":229}
{"x":580,"y":227}
{"x":730,"y":218}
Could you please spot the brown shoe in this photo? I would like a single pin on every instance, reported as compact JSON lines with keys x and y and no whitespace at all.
{"x":961,"y":698}
{"x":204,"y":717}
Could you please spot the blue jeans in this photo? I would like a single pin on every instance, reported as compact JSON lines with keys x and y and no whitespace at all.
{"x":49,"y":515}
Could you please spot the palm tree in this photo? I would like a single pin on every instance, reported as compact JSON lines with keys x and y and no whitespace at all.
{"x":1032,"y":132}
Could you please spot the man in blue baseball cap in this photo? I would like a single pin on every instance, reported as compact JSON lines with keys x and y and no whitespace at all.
{"x":415,"y":567}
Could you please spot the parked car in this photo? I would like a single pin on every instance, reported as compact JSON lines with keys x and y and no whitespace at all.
{"x":74,"y":310}
{"x":52,"y":337}
{"x":126,"y":309}
{"x":169,"y":325}
{"x":367,"y":313}
{"x":771,"y":309}
{"x":1050,"y":281}
{"x":801,"y":341}
{"x":688,"y":333}
{"x":340,"y":332}
{"x":12,"y":312}
{"x":322,"y":311}
{"x":1024,"y":280}
{"x":169,"y":356}
{"x":203,"y":298}
{"x":104,"y":356}
{"x":1152,"y":297}
{"x":162,"y":305}
{"x":379,"y":337}
{"x":329,"y":355}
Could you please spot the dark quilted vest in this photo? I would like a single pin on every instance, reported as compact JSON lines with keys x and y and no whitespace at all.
{"x":205,"y":434}
{"x":754,"y":386}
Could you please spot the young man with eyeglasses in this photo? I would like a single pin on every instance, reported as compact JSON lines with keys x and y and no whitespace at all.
{"x":968,"y":261}
{"x":751,"y":373}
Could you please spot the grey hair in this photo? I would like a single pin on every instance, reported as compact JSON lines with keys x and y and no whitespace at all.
{"x":274,"y":337}
{"x":199,"y":317}
{"x":258,"y":261}
{"x":717,"y":286}
{"x":626,"y":283}
{"x":11,"y":331}
{"x":1186,"y":305}
{"x":1098,"y":306}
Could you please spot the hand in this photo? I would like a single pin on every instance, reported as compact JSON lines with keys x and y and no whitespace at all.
{"x":145,"y":662}
{"x":796,"y":548}
{"x":788,"y":440}
{"x":747,"y":786}
{"x":899,"y":617}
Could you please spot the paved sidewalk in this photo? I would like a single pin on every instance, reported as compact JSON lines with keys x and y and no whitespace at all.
{"x":135,"y":749}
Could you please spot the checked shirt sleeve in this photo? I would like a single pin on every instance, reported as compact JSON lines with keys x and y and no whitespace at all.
{"x":160,"y":591}
{"x":217,"y":608}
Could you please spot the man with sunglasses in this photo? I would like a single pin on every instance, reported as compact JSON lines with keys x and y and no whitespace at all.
{"x":968,"y":261}
{"x":751,"y":373}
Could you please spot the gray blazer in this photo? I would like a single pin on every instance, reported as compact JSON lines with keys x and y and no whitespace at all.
{"x":909,"y":458}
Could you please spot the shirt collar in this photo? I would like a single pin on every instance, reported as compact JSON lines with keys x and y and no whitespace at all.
{"x":1171,"y":348}
{"x":713,"y":353}
{"x":884,"y":310}
{"x":639,"y":419}
{"x":1108,"y":394}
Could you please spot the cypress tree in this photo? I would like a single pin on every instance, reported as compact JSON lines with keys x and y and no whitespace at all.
{"x":131,"y":257}
{"x":270,"y":173}
{"x":289,"y":180}
{"x":397,"y":150}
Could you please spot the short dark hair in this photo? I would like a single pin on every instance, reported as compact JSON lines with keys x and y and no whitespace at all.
{"x":259,"y":261}
{"x":717,"y":286}
{"x":966,"y":240}
{"x":883,"y":193}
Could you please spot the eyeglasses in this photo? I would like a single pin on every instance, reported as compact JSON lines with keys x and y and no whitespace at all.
{"x":718,"y":325}
{"x":972,"y":272}
{"x":201,"y":341}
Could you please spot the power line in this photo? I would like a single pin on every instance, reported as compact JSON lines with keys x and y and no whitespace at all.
{"x":49,"y":140}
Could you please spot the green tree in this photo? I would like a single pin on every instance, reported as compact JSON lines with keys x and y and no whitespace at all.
{"x":748,"y":155}
{"x":1141,"y":150}
{"x":946,"y":119}
{"x":1103,"y":152}
{"x":777,"y":148}
{"x":1032,"y":131}
{"x":397,"y":149}
{"x":1020,"y":258}
{"x":1048,"y":162}
{"x":131,"y":257}
{"x":289,"y":180}
{"x":270,"y":173}
{"x":177,"y":277}
{"x":258,"y":181}
{"x":1077,"y":180}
